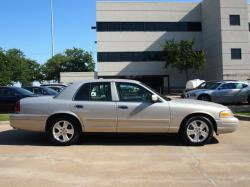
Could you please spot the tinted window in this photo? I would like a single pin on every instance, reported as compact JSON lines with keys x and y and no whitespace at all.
{"x":129,"y":92}
{"x":22,"y":91}
{"x":83,"y":93}
{"x":38,"y":91}
{"x":236,"y":54}
{"x":130,"y":56}
{"x":228,"y":86}
{"x":234,"y":19}
{"x":209,"y":85}
{"x":5,"y":92}
{"x":149,"y":26}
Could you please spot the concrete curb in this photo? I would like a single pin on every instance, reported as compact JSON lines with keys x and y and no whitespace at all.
{"x":243,"y":117}
{"x":4,"y":122}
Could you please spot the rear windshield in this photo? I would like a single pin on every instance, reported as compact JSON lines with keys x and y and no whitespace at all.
{"x":23,"y":91}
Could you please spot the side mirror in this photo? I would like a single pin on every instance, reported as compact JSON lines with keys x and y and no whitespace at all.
{"x":154,"y":98}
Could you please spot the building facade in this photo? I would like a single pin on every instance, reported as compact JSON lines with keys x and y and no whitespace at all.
{"x":130,"y":36}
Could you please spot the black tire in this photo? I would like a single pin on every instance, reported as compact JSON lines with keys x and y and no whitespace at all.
{"x":72,"y":131}
{"x":248,"y":99}
{"x":204,"y":98}
{"x":187,"y":127}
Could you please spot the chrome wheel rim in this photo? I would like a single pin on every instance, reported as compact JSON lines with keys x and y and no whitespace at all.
{"x":63,"y":131}
{"x":197,"y":131}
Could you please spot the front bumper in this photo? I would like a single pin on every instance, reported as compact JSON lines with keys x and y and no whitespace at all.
{"x":28,"y":122}
{"x":227,"y":125}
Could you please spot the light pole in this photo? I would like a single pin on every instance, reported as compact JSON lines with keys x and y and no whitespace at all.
{"x":52,"y":28}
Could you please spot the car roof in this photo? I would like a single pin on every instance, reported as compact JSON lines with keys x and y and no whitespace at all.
{"x":71,"y":89}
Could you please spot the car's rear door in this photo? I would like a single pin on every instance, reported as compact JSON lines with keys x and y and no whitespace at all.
{"x":137,"y":113}
{"x":94,"y":105}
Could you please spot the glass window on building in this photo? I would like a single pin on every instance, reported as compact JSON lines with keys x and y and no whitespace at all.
{"x":235,"y":54}
{"x":234,"y":19}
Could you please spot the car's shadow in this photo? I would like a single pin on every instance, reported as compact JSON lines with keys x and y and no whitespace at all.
{"x":16,"y":137}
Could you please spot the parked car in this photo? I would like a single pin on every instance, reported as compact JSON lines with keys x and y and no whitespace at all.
{"x":41,"y":90}
{"x":120,"y":106}
{"x":9,"y":96}
{"x":221,"y":92}
{"x":57,"y":87}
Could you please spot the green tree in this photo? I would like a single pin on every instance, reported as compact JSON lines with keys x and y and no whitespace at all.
{"x":180,"y":55}
{"x":5,"y":70}
{"x":23,"y":70}
{"x":72,"y":60}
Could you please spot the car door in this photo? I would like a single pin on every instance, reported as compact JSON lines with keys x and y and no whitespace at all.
{"x":226,"y":93}
{"x":94,"y":105}
{"x":137,"y":113}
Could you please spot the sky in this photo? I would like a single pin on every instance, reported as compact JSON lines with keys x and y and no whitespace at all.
{"x":25,"y":24}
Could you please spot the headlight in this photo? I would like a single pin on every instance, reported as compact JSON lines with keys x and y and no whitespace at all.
{"x":226,"y":114}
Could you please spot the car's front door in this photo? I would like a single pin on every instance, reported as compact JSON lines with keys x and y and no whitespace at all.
{"x":94,"y":105}
{"x":137,"y":113}
{"x":226,"y":93}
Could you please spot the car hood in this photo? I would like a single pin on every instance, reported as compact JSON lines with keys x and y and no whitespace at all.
{"x":198,"y":104}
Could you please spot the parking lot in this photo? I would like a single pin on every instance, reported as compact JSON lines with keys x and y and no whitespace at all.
{"x":28,"y":159}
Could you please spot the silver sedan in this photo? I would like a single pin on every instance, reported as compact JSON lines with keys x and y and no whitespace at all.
{"x":120,"y":106}
{"x":221,"y":92}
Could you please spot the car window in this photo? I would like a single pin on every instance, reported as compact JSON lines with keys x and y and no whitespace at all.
{"x":129,"y":92}
{"x":37,"y":91}
{"x":209,"y":85}
{"x":83,"y":93}
{"x":241,"y":86}
{"x":100,"y":92}
{"x":228,"y":86}
{"x":5,"y":92}
{"x":94,"y":92}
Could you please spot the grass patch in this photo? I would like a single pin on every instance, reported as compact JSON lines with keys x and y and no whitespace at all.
{"x":243,"y":113}
{"x":4,"y":117}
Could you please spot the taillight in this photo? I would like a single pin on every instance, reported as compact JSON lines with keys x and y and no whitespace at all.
{"x":17,"y":108}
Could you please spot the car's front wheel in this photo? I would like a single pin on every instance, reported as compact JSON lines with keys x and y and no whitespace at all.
{"x":64,"y":131}
{"x":196,"y":131}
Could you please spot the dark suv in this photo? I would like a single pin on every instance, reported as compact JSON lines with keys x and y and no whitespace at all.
{"x":9,"y":96}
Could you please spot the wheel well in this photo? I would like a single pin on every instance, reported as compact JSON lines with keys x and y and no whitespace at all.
{"x":199,"y":114}
{"x":204,"y":95}
{"x":54,"y":116}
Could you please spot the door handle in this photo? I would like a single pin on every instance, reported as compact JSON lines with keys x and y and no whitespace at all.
{"x":78,"y":106}
{"x":123,"y":107}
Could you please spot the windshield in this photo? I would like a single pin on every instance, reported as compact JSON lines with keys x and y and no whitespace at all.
{"x":209,"y":85}
{"x":51,"y":91}
{"x":163,"y":96}
{"x":23,"y":91}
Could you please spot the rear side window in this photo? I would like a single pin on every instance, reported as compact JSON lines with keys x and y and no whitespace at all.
{"x":94,"y":92}
{"x":83,"y":93}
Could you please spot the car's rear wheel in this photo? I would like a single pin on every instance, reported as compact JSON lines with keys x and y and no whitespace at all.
{"x":204,"y":98}
{"x":197,"y":131}
{"x":64,"y":131}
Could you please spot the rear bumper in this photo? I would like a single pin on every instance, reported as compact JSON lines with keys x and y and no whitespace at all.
{"x":29,"y":122}
{"x":227,"y":125}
